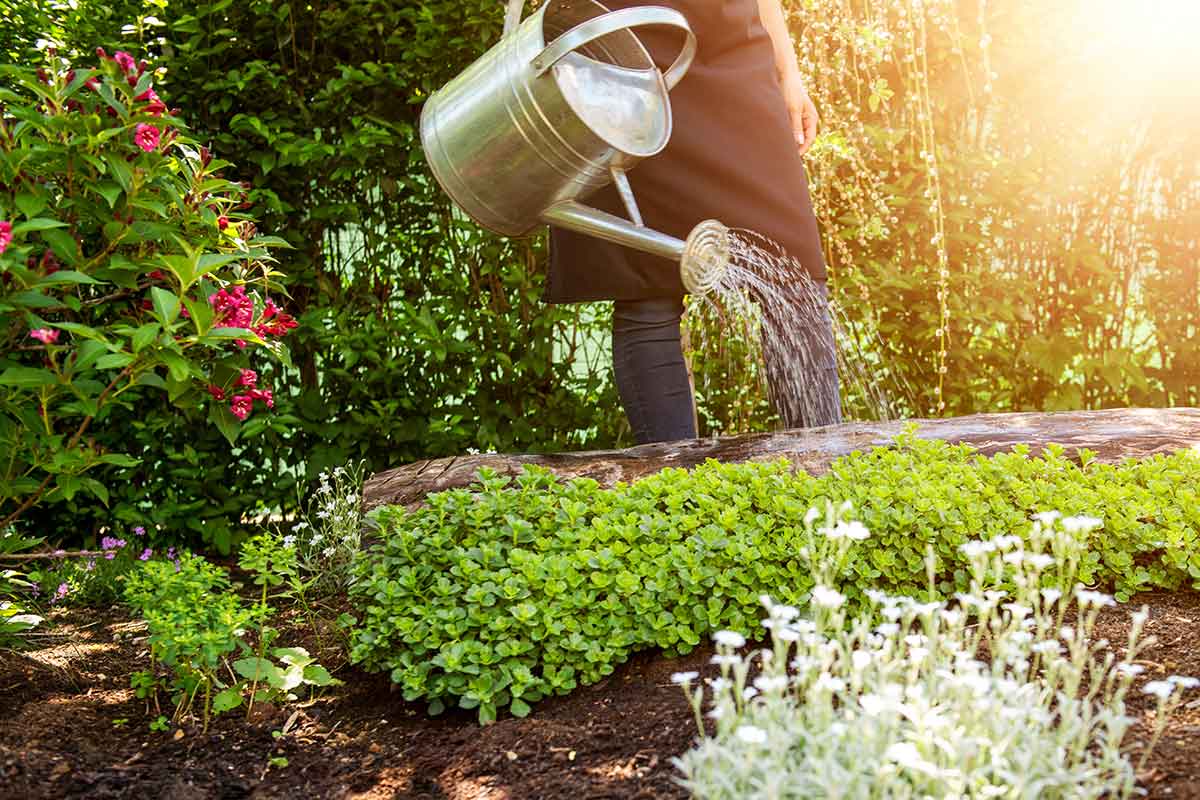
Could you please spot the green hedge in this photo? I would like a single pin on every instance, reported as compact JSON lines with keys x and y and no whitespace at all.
{"x":514,"y":590}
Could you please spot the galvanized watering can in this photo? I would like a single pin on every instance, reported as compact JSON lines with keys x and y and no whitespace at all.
{"x":565,"y":103}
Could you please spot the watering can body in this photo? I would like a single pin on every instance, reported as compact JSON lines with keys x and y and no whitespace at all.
{"x":565,"y":103}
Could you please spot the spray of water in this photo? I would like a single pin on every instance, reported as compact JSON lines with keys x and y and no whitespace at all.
{"x":815,"y":363}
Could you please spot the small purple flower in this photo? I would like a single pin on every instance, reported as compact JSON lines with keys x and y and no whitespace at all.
{"x":90,"y":565}
{"x":139,"y":531}
{"x":145,"y":556}
{"x":111,"y":543}
{"x":59,"y":553}
{"x":62,"y":591}
{"x":35,"y":588}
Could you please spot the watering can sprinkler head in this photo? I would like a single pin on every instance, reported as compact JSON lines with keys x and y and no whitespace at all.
{"x":706,"y":257}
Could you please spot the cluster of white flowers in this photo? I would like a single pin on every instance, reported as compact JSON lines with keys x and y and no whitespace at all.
{"x":906,"y":707}
{"x":328,"y":536}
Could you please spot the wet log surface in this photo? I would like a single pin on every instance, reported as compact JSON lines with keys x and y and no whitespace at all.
{"x":1113,"y":435}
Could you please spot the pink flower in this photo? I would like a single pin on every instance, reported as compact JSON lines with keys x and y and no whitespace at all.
{"x":5,"y":235}
{"x":145,"y":556}
{"x":216,"y":391}
{"x":222,"y":222}
{"x":154,"y":103}
{"x":274,"y":322}
{"x":264,"y":395}
{"x":241,"y":405}
{"x":146,"y":136}
{"x":234,"y":309}
{"x":62,"y":591}
{"x":248,"y":378}
{"x":124,"y":61}
{"x":138,"y":530}
{"x":45,"y":335}
{"x":111,"y":543}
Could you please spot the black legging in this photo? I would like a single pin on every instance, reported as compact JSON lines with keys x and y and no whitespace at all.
{"x":652,"y":378}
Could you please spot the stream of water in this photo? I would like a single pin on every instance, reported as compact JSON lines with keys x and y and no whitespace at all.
{"x":816,"y":363}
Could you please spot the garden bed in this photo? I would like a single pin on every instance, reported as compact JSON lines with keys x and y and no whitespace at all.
{"x":62,"y":702}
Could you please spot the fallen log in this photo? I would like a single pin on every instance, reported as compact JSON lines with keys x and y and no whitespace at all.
{"x":1113,"y":435}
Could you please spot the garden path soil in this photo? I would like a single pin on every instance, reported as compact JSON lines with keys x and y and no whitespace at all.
{"x":61,"y":735}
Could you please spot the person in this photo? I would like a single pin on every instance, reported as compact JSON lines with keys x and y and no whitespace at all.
{"x":742,"y":123}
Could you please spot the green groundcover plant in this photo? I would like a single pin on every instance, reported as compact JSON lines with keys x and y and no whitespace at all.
{"x":127,"y":270}
{"x":198,"y":625}
{"x":515,"y":590}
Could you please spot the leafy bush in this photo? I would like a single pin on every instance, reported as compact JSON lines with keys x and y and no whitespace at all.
{"x":96,"y":577}
{"x":986,"y":696}
{"x":15,"y":591}
{"x":126,"y":269}
{"x":515,"y":591}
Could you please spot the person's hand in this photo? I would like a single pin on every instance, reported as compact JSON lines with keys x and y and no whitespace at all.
{"x":805,"y":120}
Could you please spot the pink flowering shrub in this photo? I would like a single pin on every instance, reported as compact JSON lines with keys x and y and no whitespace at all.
{"x":128,"y":266}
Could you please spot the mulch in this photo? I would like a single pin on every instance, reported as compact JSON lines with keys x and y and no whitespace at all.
{"x":71,"y":727}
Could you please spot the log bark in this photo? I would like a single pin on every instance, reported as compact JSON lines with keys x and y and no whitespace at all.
{"x":1114,"y":435}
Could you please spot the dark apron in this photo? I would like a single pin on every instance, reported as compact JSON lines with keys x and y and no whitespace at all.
{"x":733,"y":157}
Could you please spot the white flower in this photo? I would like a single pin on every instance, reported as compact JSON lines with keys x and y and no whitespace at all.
{"x":1051,"y":595}
{"x":729,"y":639}
{"x":749,"y":693}
{"x":1130,"y":670}
{"x":860,"y":659}
{"x":1047,"y":517}
{"x":848,"y":530}
{"x":684,"y":677}
{"x":716,"y":713}
{"x":803,"y":664}
{"x":751,"y":735}
{"x":1017,"y":610}
{"x":289,"y":541}
{"x":719,"y":685}
{"x":771,"y":683}
{"x":872,"y":704}
{"x":925,"y":609}
{"x":299,"y":526}
{"x":1008,"y":542}
{"x":1160,"y":689}
{"x":812,"y":516}
{"x":1139,"y":617}
{"x":877,"y":597}
{"x":1184,"y":681}
{"x":951,"y":617}
{"x":317,"y":538}
{"x":788,"y":635}
{"x":827,"y":682}
{"x":722,"y":660}
{"x":976,"y":549}
{"x":828,"y":598}
{"x":906,"y":755}
{"x":892,"y":613}
{"x":1040,"y":561}
{"x":322,"y":514}
{"x":328,"y":551}
{"x":785,"y":613}
{"x":1081,"y":523}
{"x":1088,"y":598}
{"x":1048,"y":647}
{"x":1015,"y":557}
{"x":339,"y":472}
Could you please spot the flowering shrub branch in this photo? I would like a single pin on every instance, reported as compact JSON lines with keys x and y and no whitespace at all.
{"x":127,"y":266}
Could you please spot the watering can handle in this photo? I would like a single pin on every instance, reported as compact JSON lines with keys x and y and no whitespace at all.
{"x":614,"y":22}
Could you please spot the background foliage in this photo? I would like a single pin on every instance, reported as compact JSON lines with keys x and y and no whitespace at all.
{"x":997,"y":241}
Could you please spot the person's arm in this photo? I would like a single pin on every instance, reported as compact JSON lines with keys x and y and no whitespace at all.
{"x":804,"y":113}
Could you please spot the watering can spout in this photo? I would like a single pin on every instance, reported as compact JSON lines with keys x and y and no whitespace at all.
{"x":703,"y":258}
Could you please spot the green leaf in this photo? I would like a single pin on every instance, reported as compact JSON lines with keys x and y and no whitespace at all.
{"x":229,"y":426}
{"x":293,"y":656}
{"x":257,"y":669}
{"x":27,"y":377}
{"x":178,"y":366}
{"x":66,"y":276}
{"x":97,"y":488}
{"x":227,"y":699}
{"x":144,"y":335}
{"x":111,"y":192}
{"x":39,"y":224}
{"x":30,"y":204}
{"x":63,"y":244}
{"x":519,"y":708}
{"x":166,"y":305}
{"x":114,"y":361}
{"x":318,"y":675}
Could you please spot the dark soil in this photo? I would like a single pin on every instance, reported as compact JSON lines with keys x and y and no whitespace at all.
{"x":70,"y":727}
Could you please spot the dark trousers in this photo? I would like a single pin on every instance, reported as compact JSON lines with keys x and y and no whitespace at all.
{"x":652,"y":378}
